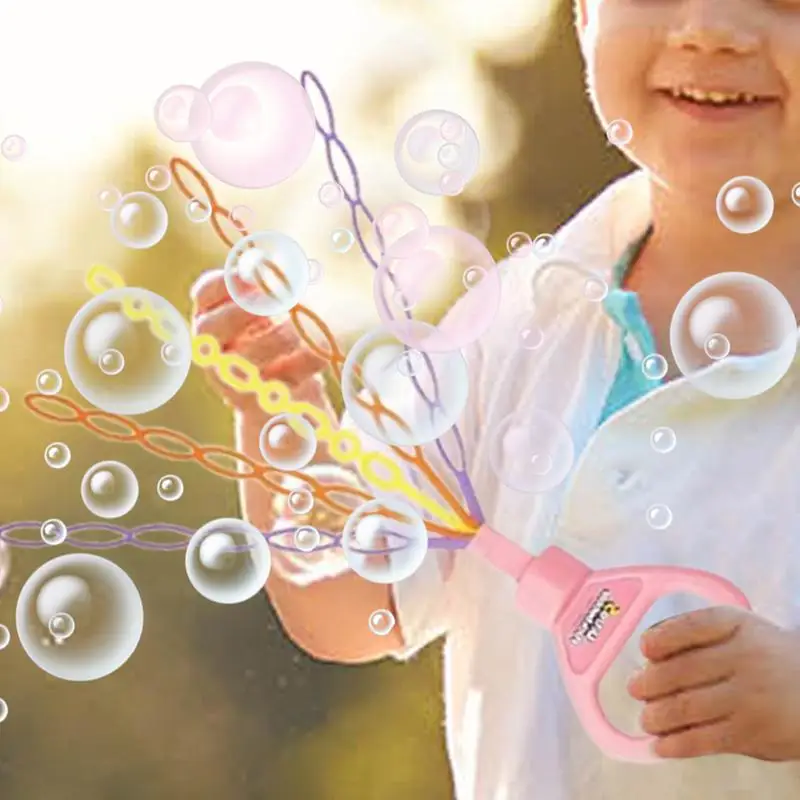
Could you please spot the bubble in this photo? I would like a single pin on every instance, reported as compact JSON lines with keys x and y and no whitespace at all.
{"x":108,"y":198}
{"x":431,"y":162}
{"x":228,"y":561}
{"x":745,"y":205}
{"x":109,"y":489}
{"x":314,"y":271}
{"x":619,"y":132}
{"x":53,"y":532}
{"x":301,"y":501}
{"x":544,"y":245}
{"x":402,"y":230}
{"x":13,"y":147}
{"x":595,"y":290}
{"x":306,"y":539}
{"x":654,"y":367}
{"x":57,"y":455}
{"x":519,"y":244}
{"x":287,"y":442}
{"x":61,"y":626}
{"x":330,"y":194}
{"x":733,"y":335}
{"x":531,"y":451}
{"x":103,"y":603}
{"x":139,"y":220}
{"x":372,"y":369}
{"x":659,"y":517}
{"x":49,"y":381}
{"x":381,"y":622}
{"x":531,"y":338}
{"x":111,"y":362}
{"x":433,"y":281}
{"x":158,"y":178}
{"x":5,"y":400}
{"x":266,"y":273}
{"x":118,"y":319}
{"x":3,"y":710}
{"x":796,"y":194}
{"x":663,"y":440}
{"x":170,"y":488}
{"x":263,"y":126}
{"x":342,"y":240}
{"x":5,"y":637}
{"x":197,"y":211}
{"x":171,"y":355}
{"x":385,"y":541}
{"x":243,"y":217}
{"x":183,"y":113}
{"x":411,"y":363}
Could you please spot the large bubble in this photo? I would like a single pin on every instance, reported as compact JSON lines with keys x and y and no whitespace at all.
{"x":118,"y":320}
{"x":441,"y":276}
{"x":102,"y":602}
{"x":421,"y":395}
{"x":385,"y":541}
{"x":262,"y":126}
{"x":267,"y":273}
{"x":228,"y":561}
{"x":733,"y":335}
{"x":139,"y":220}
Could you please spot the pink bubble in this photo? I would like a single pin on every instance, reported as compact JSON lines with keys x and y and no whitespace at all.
{"x":401,"y":229}
{"x":263,"y":126}
{"x":408,"y":286}
{"x":183,"y":113}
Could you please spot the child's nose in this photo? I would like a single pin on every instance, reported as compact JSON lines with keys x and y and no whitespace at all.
{"x":711,"y":26}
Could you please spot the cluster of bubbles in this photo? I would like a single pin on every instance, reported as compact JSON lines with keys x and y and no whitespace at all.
{"x":13,"y":147}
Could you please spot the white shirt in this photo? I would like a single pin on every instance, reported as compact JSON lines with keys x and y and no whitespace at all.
{"x":731,"y":484}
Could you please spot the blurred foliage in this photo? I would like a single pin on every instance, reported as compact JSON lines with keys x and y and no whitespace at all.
{"x":216,"y":703}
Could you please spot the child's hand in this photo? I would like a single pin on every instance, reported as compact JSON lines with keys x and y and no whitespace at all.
{"x":721,"y":680}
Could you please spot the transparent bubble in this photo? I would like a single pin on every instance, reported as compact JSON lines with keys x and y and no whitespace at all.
{"x":104,"y":605}
{"x":432,"y":163}
{"x":139,"y":220}
{"x":109,"y":489}
{"x":158,"y":178}
{"x":5,"y":637}
{"x":659,"y":517}
{"x":111,"y":362}
{"x":663,"y":440}
{"x":531,"y":451}
{"x":619,"y":132}
{"x":228,"y":561}
{"x":314,"y":271}
{"x":266,"y":273}
{"x":301,"y":501}
{"x":183,"y":113}
{"x":412,"y":412}
{"x":330,"y":194}
{"x":108,"y":197}
{"x":745,"y":205}
{"x":531,"y":338}
{"x":49,"y":381}
{"x":262,"y":126}
{"x":544,"y":245}
{"x":654,"y":367}
{"x":595,"y":290}
{"x":434,"y":280}
{"x":381,"y":622}
{"x":411,"y":363}
{"x":61,"y":626}
{"x":306,"y":539}
{"x":287,"y":442}
{"x":3,"y":710}
{"x":53,"y":532}
{"x":385,"y":541}
{"x":342,"y":240}
{"x":243,"y":217}
{"x":796,"y":194}
{"x":13,"y":147}
{"x":746,"y":323}
{"x":170,"y":488}
{"x":197,"y":211}
{"x":519,"y":244}
{"x":119,"y":319}
{"x":57,"y":455}
{"x":171,"y":355}
{"x":5,"y":399}
{"x":402,"y":230}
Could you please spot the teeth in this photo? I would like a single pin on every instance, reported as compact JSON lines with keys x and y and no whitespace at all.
{"x":714,"y":98}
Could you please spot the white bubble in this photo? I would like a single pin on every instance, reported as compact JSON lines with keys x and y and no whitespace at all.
{"x":330,"y":194}
{"x":228,"y":561}
{"x":53,"y":532}
{"x":796,"y":194}
{"x":158,"y":178}
{"x":5,"y":400}
{"x":342,"y":240}
{"x":654,"y":367}
{"x":13,"y":147}
{"x":531,"y":451}
{"x":170,"y":488}
{"x":595,"y":290}
{"x":108,"y":197}
{"x":198,"y":211}
{"x":619,"y":132}
{"x":3,"y":710}
{"x":243,"y":217}
{"x":717,"y":346}
{"x":385,"y":541}
{"x":111,"y":362}
{"x":5,"y":637}
{"x":314,"y":271}
{"x":301,"y":501}
{"x":109,"y":489}
{"x":745,"y":205}
{"x":306,"y":539}
{"x":531,"y":338}
{"x":663,"y":440}
{"x":450,"y":156}
{"x":659,"y":517}
{"x":519,"y":244}
{"x":57,"y":455}
{"x":287,"y":442}
{"x":49,"y":381}
{"x":104,"y":605}
{"x":139,"y":220}
{"x":473,"y":277}
{"x":61,"y":626}
{"x":544,"y":245}
{"x":120,"y":320}
{"x":381,"y":622}
{"x":411,"y":363}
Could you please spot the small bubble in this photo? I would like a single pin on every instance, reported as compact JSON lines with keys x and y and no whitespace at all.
{"x":381,"y":622}
{"x":171,"y":355}
{"x":404,"y":299}
{"x":745,"y":205}
{"x":197,"y":210}
{"x":108,"y":197}
{"x":170,"y":488}
{"x":654,"y":367}
{"x":473,"y":276}
{"x":111,"y":362}
{"x":53,"y":532}
{"x":663,"y":440}
{"x":57,"y":455}
{"x":544,"y":245}
{"x":619,"y":132}
{"x":3,"y":710}
{"x":314,"y":271}
{"x":306,"y":539}
{"x":61,"y":626}
{"x":13,"y":147}
{"x":531,"y":338}
{"x":243,"y":217}
{"x":595,"y":290}
{"x":449,"y":156}
{"x":452,"y":128}
{"x":717,"y":347}
{"x":301,"y":501}
{"x":342,"y":240}
{"x":330,"y":194}
{"x":158,"y":178}
{"x":518,"y":244}
{"x":410,"y":363}
{"x":5,"y":400}
{"x":659,"y":517}
{"x":452,"y":183}
{"x":48,"y":381}
{"x":5,"y":637}
{"x":796,"y":194}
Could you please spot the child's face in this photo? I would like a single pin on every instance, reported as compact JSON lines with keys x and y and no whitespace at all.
{"x":639,"y":52}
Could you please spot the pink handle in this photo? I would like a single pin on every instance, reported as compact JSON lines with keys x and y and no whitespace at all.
{"x":592,"y":615}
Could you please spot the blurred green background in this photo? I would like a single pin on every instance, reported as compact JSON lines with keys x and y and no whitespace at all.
{"x":216,"y":703}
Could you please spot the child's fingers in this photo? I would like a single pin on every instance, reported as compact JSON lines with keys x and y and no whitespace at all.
{"x":229,"y":322}
{"x":209,"y":290}
{"x":294,"y":368}
{"x":701,"y":628}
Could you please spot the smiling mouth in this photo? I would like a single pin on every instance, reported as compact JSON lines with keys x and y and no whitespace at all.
{"x":717,"y":99}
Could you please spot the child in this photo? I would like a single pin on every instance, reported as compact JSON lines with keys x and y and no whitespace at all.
{"x":719,"y":682}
